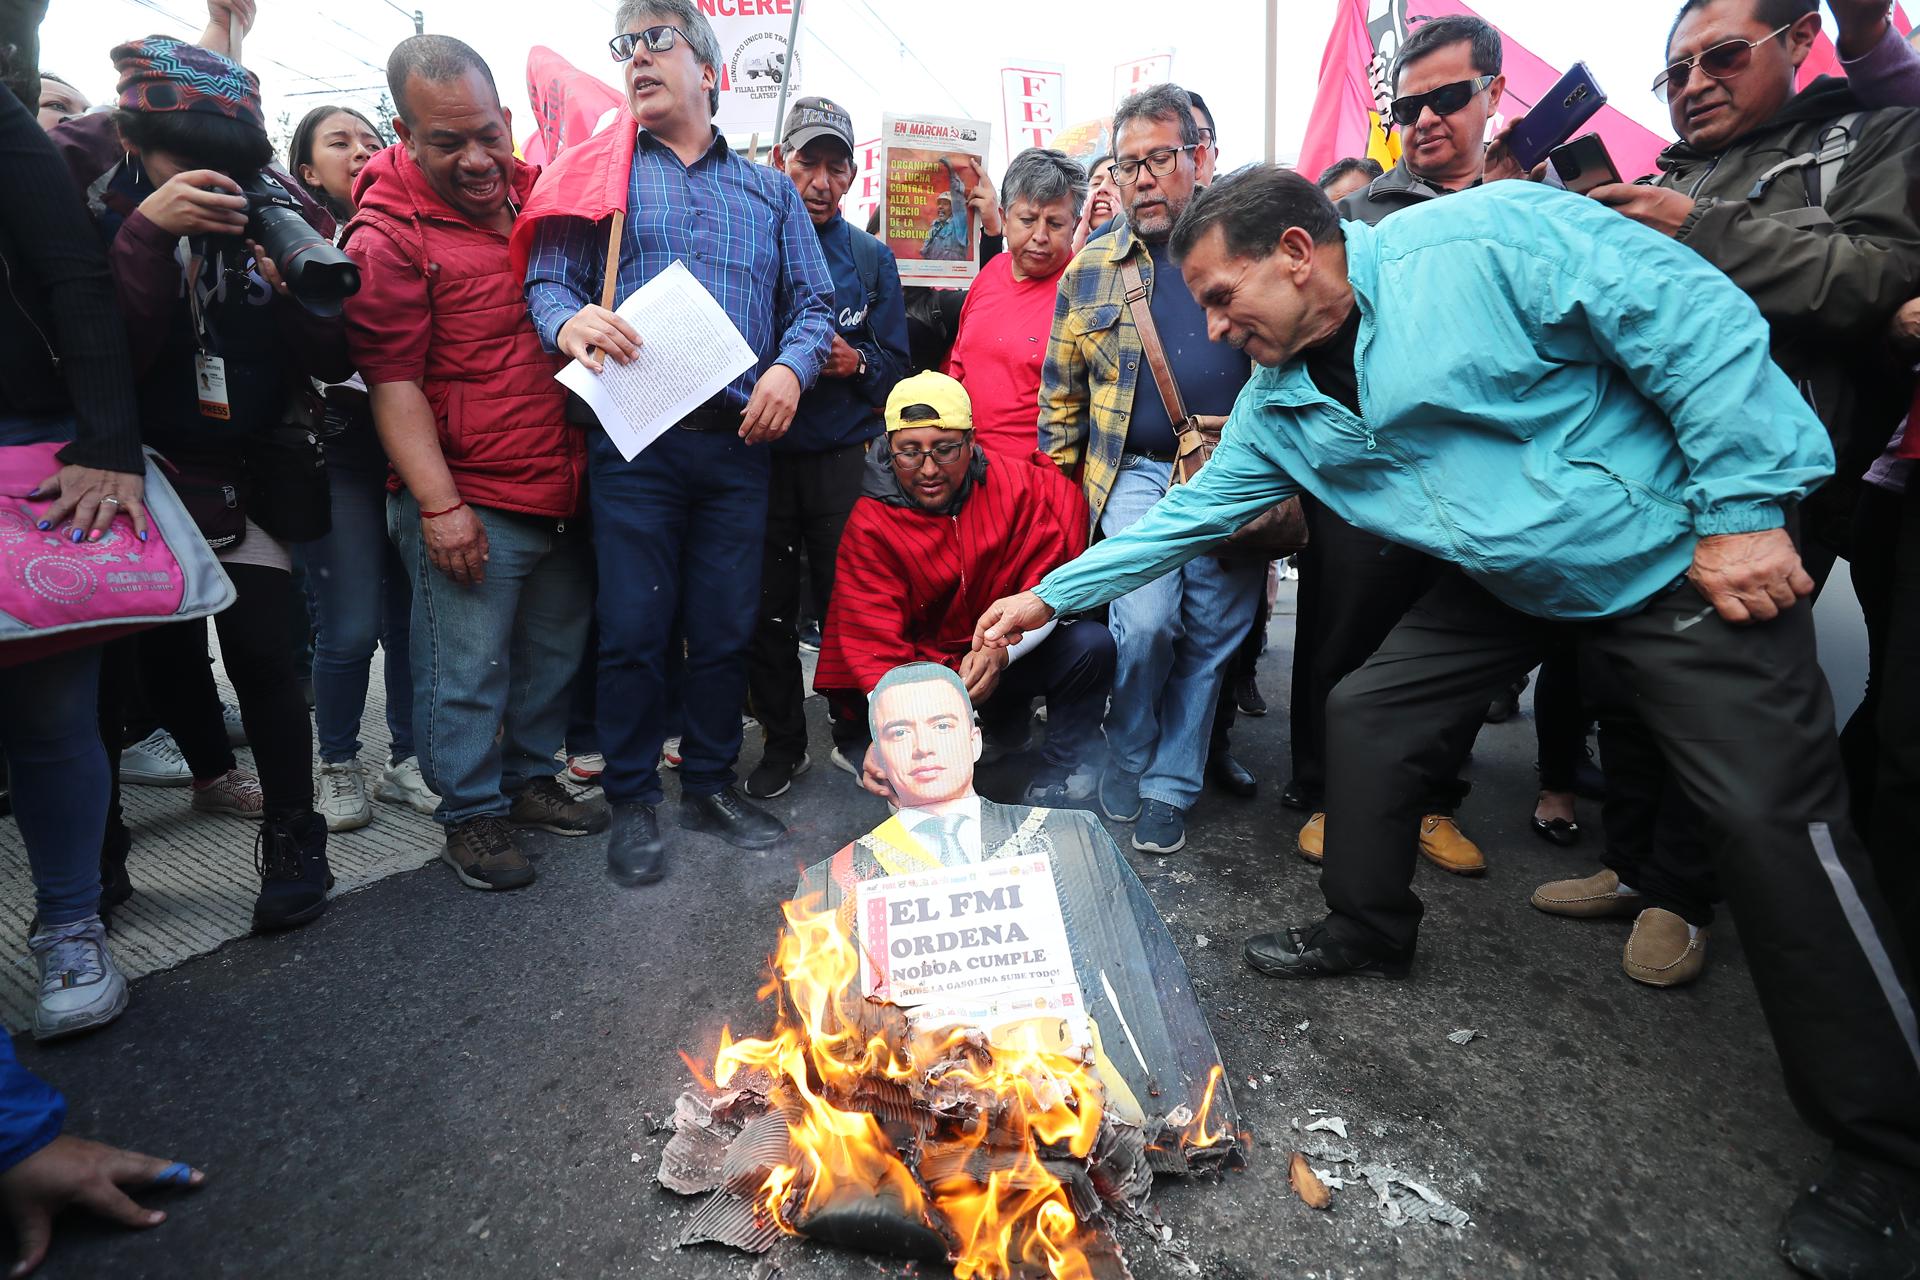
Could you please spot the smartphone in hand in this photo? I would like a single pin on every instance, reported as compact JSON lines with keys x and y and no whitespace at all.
{"x":1574,"y":99}
{"x":1584,"y":164}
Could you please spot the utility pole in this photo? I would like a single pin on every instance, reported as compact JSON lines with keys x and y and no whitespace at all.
{"x":1273,"y":75}
{"x":786,"y":77}
{"x":419,"y":18}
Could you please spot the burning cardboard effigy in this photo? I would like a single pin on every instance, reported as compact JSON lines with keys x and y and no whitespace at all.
{"x":985,"y":1044}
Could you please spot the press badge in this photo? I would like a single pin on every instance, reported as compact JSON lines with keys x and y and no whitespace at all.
{"x":211,"y":374}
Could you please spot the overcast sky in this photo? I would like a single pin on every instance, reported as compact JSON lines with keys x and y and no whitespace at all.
{"x":900,"y":55}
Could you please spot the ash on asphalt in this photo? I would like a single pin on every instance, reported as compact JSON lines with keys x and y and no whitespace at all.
{"x":437,"y":1082}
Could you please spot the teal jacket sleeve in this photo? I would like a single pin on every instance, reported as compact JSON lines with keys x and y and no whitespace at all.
{"x":1236,"y":485}
{"x":1695,"y":346}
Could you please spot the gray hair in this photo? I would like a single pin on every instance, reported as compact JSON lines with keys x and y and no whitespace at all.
{"x":691,"y":22}
{"x":1041,"y":176}
{"x":1161,"y":102}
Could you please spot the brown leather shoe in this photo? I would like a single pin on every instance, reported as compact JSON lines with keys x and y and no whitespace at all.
{"x":482,"y":853}
{"x":1448,"y":848}
{"x":1659,"y":952}
{"x":1589,"y":899}
{"x":1313,"y":838}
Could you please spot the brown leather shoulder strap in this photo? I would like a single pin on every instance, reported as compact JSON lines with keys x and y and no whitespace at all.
{"x":1139,"y":303}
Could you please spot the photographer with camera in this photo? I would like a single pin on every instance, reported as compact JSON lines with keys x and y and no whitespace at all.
{"x":176,"y":179}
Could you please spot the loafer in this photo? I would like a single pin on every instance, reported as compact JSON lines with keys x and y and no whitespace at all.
{"x":1312,"y":844}
{"x":1557,"y":831}
{"x":1587,"y":899}
{"x":727,"y":815}
{"x":635,"y":853}
{"x":1447,"y":847}
{"x":1311,"y":951}
{"x":1120,"y":795}
{"x":1161,"y":829}
{"x":1294,"y":796}
{"x":772,"y":778}
{"x":1232,"y":777}
{"x":1661,"y":951}
{"x":1859,"y":1220}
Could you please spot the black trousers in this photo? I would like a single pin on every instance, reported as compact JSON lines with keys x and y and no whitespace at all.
{"x":1743,"y":716}
{"x":1073,"y":670}
{"x":809,"y":499}
{"x":1560,"y":719}
{"x":1354,"y":587}
{"x":1241,"y":666}
{"x":1894,"y":832}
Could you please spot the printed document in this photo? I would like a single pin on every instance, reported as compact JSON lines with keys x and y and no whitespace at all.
{"x":689,"y":350}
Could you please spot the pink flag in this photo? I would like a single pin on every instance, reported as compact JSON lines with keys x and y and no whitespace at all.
{"x":568,"y":104}
{"x":1345,"y":120}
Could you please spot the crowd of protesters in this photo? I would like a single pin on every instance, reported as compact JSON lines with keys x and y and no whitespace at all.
{"x":1617,"y":439}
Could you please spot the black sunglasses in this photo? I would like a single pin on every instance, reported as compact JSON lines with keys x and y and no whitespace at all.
{"x":657,"y":40}
{"x":1445,"y":100}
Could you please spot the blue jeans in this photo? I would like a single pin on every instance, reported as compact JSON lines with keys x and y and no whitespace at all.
{"x":1175,"y":637}
{"x":361,"y":598}
{"x":492,"y":663}
{"x":57,"y":769}
{"x":678,"y":535}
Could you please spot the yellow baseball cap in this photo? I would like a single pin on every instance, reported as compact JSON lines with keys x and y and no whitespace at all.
{"x":944,"y":395}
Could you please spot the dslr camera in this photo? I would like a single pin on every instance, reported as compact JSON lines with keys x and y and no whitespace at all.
{"x":320,"y":276}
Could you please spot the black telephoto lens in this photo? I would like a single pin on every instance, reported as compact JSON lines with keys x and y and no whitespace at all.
{"x":320,"y":276}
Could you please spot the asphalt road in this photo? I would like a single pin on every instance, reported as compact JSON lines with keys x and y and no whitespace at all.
{"x":436,"y":1082}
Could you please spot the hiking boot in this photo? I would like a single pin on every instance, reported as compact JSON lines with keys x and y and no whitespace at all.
{"x":482,"y":853}
{"x":154,"y":761}
{"x":772,"y":778}
{"x":236,"y":792}
{"x":1161,"y":829}
{"x":340,"y":795}
{"x":1120,"y":794}
{"x":291,"y":856}
{"x":403,"y":783}
{"x":548,"y":806}
{"x":80,"y":987}
{"x":726,"y":815}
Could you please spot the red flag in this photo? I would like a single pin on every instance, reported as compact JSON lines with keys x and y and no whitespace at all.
{"x":568,"y":104}
{"x":1346,"y":119}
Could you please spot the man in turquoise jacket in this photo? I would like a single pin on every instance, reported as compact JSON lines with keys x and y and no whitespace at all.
{"x":1581,"y":417}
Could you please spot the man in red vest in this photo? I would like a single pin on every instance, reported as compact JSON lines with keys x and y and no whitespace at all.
{"x":938,"y":528}
{"x":491,"y":473}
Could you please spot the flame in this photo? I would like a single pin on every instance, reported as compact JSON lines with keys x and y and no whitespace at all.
{"x":1202,"y":1137}
{"x":1020,"y":1218}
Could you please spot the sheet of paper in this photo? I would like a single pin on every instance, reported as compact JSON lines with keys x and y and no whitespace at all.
{"x":689,"y":350}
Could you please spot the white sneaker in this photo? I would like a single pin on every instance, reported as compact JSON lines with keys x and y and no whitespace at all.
{"x":670,"y":753}
{"x":236,"y":792}
{"x":154,"y":761}
{"x":405,"y":784}
{"x":587,"y":767}
{"x":236,"y":732}
{"x":340,"y":796}
{"x":80,"y":987}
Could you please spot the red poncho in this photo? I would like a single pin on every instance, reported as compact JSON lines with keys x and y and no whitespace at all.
{"x":909,"y":585}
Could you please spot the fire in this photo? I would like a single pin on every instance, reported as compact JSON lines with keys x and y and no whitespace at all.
{"x":1202,"y":1136}
{"x":1004,"y":1212}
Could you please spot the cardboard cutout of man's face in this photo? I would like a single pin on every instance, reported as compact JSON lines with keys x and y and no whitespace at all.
{"x":925,"y":742}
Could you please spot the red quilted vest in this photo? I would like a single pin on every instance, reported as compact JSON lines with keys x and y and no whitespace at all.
{"x":502,"y":417}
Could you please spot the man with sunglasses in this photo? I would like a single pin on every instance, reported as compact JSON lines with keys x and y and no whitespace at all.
{"x":1103,"y":418}
{"x":1355,"y":585}
{"x":678,"y":530}
{"x":940,"y":531}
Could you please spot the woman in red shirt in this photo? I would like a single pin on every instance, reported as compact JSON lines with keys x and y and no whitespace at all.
{"x":1002,"y":342}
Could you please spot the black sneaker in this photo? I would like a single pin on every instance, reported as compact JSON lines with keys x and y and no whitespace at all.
{"x":291,"y":856}
{"x":548,"y":806}
{"x":1161,"y":829}
{"x":1246,"y":696}
{"x":726,"y":815}
{"x":482,"y":853}
{"x":1860,"y":1221}
{"x":772,"y":778}
{"x":635,"y":853}
{"x":1311,"y":951}
{"x":1120,"y":794}
{"x":810,"y":637}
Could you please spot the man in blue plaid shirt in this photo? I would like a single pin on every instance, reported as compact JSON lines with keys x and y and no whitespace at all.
{"x":678,"y":530}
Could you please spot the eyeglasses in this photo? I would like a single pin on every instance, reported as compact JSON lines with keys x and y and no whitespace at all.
{"x":1722,"y":62}
{"x":1445,"y":100}
{"x":657,"y":40}
{"x":1158,"y":163}
{"x":910,"y":458}
{"x":1206,"y":136}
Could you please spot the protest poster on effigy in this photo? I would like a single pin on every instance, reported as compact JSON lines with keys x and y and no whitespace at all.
{"x":932,"y":163}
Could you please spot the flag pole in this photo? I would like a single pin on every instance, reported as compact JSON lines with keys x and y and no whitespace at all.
{"x":1273,"y":76}
{"x":793,"y":63}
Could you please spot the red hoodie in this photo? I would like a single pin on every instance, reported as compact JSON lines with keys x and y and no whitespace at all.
{"x":440,"y":304}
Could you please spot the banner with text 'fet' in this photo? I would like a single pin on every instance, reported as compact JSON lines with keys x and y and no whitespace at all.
{"x":1032,"y":100}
